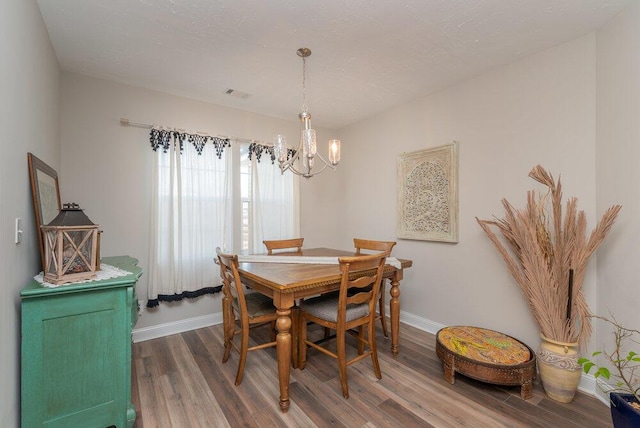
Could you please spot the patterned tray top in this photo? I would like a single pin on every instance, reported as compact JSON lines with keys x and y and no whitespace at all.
{"x":487,"y":346}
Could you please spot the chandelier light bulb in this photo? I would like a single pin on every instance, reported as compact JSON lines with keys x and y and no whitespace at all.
{"x":334,"y":152}
{"x":280,"y":148}
{"x":309,"y":145}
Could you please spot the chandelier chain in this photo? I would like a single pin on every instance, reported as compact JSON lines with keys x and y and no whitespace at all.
{"x":304,"y":107}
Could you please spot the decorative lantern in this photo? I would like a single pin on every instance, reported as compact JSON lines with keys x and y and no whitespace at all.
{"x":70,"y":241}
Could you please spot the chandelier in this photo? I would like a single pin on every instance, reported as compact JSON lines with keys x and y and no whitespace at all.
{"x":306,"y":152}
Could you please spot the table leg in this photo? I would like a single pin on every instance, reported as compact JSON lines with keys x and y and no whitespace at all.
{"x":283,"y":345}
{"x":394,"y":308}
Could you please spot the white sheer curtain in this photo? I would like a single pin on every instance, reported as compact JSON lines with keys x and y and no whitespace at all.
{"x":275,"y":204}
{"x":190,"y":217}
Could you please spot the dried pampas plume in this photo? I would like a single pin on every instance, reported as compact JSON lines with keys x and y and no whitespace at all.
{"x":547,"y":255}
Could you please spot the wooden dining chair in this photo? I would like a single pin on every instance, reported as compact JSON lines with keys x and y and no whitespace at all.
{"x":377,"y":246}
{"x":354,"y":307}
{"x":243,"y":310}
{"x":284,"y":244}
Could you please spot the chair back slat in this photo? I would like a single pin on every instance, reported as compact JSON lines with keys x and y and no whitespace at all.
{"x":363,"y":281}
{"x":364,"y":288}
{"x":370,"y":245}
{"x":358,"y":298}
{"x":283,"y":244}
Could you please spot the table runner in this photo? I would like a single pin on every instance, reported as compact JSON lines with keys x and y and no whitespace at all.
{"x":315,"y":260}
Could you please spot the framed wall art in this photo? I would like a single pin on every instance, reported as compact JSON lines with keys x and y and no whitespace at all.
{"x":428,"y":194}
{"x":46,"y":195}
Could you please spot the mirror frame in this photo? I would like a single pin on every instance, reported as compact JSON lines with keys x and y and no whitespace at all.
{"x":45,"y":192}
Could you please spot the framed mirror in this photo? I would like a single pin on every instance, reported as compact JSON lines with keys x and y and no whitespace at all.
{"x":46,"y":196}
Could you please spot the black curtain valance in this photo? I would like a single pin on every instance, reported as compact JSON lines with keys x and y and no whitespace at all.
{"x":162,"y":138}
{"x":257,"y":150}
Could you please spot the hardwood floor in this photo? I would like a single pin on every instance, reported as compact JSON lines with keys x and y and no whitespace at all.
{"x":179,"y":381}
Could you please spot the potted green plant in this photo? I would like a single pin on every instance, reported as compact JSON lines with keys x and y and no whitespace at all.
{"x":546,"y":252}
{"x":625,"y":389}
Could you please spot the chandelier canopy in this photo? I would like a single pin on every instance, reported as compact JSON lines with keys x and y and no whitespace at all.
{"x":306,"y":152}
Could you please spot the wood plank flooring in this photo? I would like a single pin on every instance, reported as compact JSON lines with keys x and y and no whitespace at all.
{"x":179,"y":381}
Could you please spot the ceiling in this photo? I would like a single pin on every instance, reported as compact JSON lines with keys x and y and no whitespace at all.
{"x":368,"y":55}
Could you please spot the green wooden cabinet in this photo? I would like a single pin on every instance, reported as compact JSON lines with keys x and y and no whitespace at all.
{"x":76,"y":351}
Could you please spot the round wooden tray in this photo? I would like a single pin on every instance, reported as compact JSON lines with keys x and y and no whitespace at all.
{"x":486,"y":355}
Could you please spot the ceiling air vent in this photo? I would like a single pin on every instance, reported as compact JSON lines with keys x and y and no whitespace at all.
{"x":237,"y":94}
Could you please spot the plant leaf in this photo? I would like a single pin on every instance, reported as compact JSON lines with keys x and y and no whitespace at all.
{"x":604,"y":372}
{"x":586,"y":365}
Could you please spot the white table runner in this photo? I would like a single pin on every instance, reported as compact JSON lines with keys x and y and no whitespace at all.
{"x":313,"y":260}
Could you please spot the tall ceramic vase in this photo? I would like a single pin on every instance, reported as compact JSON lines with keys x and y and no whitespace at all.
{"x":559,"y":369}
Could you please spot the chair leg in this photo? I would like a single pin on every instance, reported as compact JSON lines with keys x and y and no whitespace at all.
{"x":383,"y":317}
{"x":302,"y":341}
{"x":342,"y":361}
{"x":244,"y":345}
{"x":272,"y":332}
{"x":228,"y":321}
{"x":360,"y":340}
{"x":371,"y":327}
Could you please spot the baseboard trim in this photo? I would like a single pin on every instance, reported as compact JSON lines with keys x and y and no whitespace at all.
{"x":174,"y":327}
{"x":602,"y":390}
{"x":588,"y":385}
{"x":420,"y":323}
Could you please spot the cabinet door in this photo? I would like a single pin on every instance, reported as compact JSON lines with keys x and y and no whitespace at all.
{"x":74,"y":356}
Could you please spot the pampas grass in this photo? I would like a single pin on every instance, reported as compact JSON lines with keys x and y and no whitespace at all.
{"x":540,"y":247}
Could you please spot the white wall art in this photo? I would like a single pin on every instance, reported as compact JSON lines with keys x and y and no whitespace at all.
{"x":428,"y":194}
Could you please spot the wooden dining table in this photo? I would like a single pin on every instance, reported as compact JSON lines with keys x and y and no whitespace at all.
{"x":288,"y":282}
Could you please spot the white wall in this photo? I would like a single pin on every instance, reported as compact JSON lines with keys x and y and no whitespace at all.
{"x":321,"y":201}
{"x":29,"y":119}
{"x":107,"y":166}
{"x":618,"y":155}
{"x":539,"y":110}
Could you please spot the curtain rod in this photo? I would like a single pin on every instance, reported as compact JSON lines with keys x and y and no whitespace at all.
{"x":127,"y":122}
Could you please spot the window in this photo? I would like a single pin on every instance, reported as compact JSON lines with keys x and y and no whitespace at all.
{"x":245,"y":200}
{"x":209,"y":196}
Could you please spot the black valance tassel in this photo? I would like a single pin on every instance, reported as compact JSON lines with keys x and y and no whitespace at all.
{"x":185,"y":295}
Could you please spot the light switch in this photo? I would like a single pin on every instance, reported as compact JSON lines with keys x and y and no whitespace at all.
{"x":18,"y":230}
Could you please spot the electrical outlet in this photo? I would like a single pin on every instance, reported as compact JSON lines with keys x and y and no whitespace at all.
{"x":18,"y":230}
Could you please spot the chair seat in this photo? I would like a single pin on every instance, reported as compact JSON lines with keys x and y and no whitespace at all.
{"x":257,"y":305}
{"x":326,"y":308}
